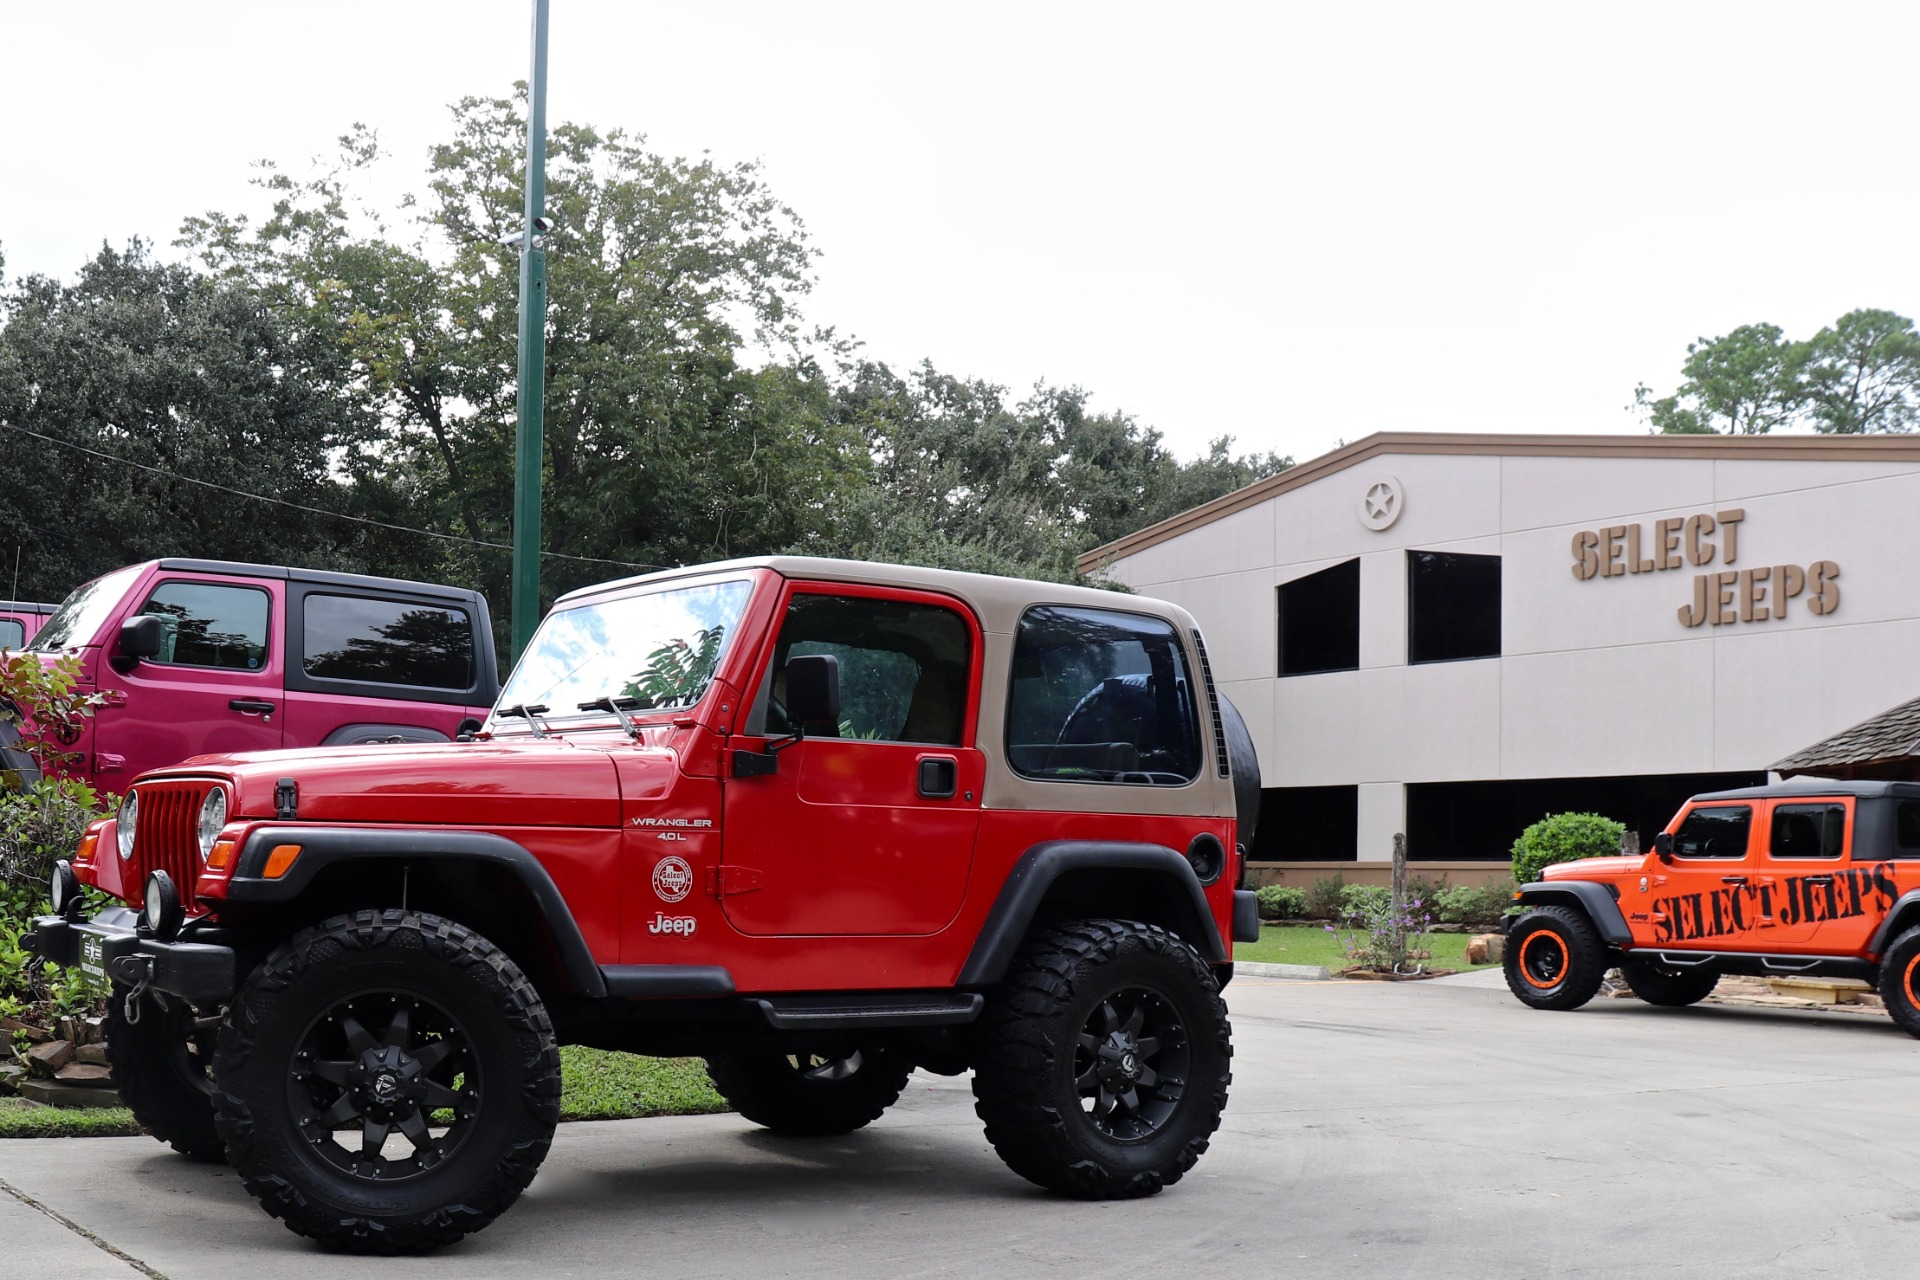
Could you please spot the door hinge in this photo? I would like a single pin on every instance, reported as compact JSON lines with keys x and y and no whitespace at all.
{"x":722,"y":881}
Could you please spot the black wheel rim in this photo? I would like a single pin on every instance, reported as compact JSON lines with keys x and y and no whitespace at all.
{"x":1543,"y":958}
{"x":388,"y":1104}
{"x":1130,"y":1064}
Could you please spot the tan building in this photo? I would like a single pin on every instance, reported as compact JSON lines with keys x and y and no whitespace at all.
{"x":1452,"y":635}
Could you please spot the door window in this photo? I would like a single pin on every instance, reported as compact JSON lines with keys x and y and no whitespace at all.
{"x":12,"y":634}
{"x":1101,"y":696}
{"x":1808,"y":831}
{"x":904,"y":666}
{"x":208,"y":624}
{"x":1714,"y":831}
{"x":387,"y":642}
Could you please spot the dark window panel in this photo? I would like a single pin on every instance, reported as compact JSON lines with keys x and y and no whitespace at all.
{"x":1453,"y":606}
{"x":1307,"y":824}
{"x":1320,"y":621}
{"x":387,"y":642}
{"x":1479,"y":821}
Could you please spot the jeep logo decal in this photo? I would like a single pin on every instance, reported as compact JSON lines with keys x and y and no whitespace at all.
{"x":672,"y":878}
{"x":680,"y":925}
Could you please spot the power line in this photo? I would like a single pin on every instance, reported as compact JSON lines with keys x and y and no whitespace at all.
{"x":318,"y":511}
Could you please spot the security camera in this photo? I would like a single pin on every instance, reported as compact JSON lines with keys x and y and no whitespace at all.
{"x":541,"y":226}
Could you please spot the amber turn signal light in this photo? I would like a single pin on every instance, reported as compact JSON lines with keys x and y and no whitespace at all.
{"x":222,"y":854}
{"x":281,"y":860}
{"x":89,"y":844}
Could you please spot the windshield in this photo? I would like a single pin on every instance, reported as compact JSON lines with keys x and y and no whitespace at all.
{"x":646,"y":652}
{"x":78,"y":619}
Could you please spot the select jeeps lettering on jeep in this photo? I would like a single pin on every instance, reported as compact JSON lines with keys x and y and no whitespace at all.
{"x":1804,"y":878}
{"x":947,"y":821}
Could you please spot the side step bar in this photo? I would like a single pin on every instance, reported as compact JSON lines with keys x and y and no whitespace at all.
{"x":884,"y":1009}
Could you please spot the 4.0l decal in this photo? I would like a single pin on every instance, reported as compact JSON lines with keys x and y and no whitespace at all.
{"x":1843,"y":893}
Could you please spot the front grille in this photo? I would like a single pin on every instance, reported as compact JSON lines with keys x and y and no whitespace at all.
{"x":166,"y":838}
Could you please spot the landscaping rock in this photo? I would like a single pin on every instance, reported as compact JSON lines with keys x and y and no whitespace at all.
{"x":37,"y":1035}
{"x":45,"y":1059}
{"x":1485,"y":948}
{"x":93,"y":1030}
{"x":11,"y":1075}
{"x":95,"y":1053}
{"x":87,"y":1073}
{"x":52,"y":1093}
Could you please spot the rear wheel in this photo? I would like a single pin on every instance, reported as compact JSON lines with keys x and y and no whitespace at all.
{"x":1103,"y":1058}
{"x":162,"y":1066}
{"x":1553,"y":958}
{"x":810,"y":1095}
{"x":388,"y":1082}
{"x":1900,"y":981}
{"x":1670,"y":987}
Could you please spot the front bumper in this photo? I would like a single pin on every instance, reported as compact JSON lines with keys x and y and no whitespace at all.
{"x":111,"y":946}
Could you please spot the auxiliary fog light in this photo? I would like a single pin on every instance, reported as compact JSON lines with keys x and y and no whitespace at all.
{"x":65,"y":890}
{"x":162,"y":913}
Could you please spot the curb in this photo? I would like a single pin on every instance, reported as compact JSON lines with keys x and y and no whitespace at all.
{"x":1308,"y":972}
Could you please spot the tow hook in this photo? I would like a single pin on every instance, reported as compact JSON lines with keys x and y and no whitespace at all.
{"x":134,"y":972}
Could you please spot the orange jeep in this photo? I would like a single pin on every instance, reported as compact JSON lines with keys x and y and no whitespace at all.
{"x":1805,"y":878}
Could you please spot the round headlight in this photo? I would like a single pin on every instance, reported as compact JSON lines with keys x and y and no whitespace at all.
{"x":124,"y":824}
{"x":161,"y":912}
{"x":65,"y":890}
{"x":213,"y":816}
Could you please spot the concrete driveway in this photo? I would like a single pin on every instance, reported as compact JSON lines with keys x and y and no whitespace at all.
{"x":1419,"y":1129}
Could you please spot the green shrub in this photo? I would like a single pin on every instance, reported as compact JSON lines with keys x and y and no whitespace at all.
{"x":1323,"y":899}
{"x":1564,"y":837}
{"x":1474,"y":904}
{"x":1279,"y":902}
{"x":40,"y":825}
{"x":1363,"y":899}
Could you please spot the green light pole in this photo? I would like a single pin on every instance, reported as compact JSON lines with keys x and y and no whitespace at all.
{"x":533,"y":352}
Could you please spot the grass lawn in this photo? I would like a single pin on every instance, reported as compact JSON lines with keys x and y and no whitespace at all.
{"x":1288,"y":944}
{"x":594,"y":1085}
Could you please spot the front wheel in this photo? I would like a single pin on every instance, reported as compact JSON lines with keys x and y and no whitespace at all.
{"x":1670,"y":988}
{"x":162,"y":1066}
{"x":1102,"y":1064}
{"x":810,"y":1095}
{"x":1553,"y":959}
{"x":388,"y":1082}
{"x":1900,"y":981}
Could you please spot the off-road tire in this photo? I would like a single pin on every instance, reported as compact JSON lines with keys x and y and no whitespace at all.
{"x":160,"y":1066}
{"x":1900,"y":981}
{"x":510,"y":1083}
{"x":810,"y":1095}
{"x":1553,"y":958}
{"x":1670,"y":988}
{"x":1032,"y":1051}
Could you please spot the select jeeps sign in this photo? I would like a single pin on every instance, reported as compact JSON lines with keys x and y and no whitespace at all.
{"x":1722,"y":596}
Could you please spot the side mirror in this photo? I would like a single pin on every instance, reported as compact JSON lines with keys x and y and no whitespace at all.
{"x":813,"y":690}
{"x":1663,"y":846}
{"x":141,"y":637}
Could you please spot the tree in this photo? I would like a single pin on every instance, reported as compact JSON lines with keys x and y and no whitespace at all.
{"x":123,"y":394}
{"x":1746,"y":382}
{"x":1862,"y":374}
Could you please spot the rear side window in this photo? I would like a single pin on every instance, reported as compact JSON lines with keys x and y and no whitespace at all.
{"x":1808,"y":831}
{"x":1906,"y":828}
{"x":387,"y":642}
{"x":209,"y":624}
{"x":1101,"y":696}
{"x":1715,"y":831}
{"x":12,"y":634}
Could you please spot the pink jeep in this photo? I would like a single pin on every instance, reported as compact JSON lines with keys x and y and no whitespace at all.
{"x":200,"y":657}
{"x":19,"y":620}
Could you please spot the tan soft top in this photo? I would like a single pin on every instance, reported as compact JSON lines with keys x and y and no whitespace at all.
{"x":998,"y":602}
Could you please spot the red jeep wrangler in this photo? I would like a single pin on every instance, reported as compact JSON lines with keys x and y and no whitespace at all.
{"x":202,"y":655}
{"x":1808,"y":877}
{"x":820,"y":822}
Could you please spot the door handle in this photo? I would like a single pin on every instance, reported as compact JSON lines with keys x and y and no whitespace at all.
{"x":251,"y":706}
{"x":1733,"y":879}
{"x":1818,"y":880}
{"x":939,"y":777}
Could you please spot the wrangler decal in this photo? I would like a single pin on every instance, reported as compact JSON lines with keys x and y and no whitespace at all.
{"x":1841,"y":894}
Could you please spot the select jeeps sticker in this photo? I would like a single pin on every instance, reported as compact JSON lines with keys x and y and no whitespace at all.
{"x":672,"y":879}
{"x":1845,"y":893}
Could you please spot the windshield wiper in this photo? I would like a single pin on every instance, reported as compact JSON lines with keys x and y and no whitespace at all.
{"x":530,"y":712}
{"x":618,"y":707}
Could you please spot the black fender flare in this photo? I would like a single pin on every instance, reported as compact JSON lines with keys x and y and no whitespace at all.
{"x":1026,"y":888}
{"x":353,"y":734}
{"x":1904,"y":913}
{"x":322,"y":847}
{"x":1589,"y":897}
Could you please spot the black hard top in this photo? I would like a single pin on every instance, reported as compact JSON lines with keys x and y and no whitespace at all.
{"x":320,"y":577}
{"x":26,"y":606}
{"x":1819,"y":787}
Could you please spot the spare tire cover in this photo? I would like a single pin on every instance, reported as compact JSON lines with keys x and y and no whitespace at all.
{"x":1246,"y":770}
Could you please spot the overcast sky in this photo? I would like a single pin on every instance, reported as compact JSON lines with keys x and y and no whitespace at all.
{"x":1291,"y":223}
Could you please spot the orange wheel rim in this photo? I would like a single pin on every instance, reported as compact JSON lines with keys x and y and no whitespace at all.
{"x":1913,"y":996}
{"x":1543,"y":959}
